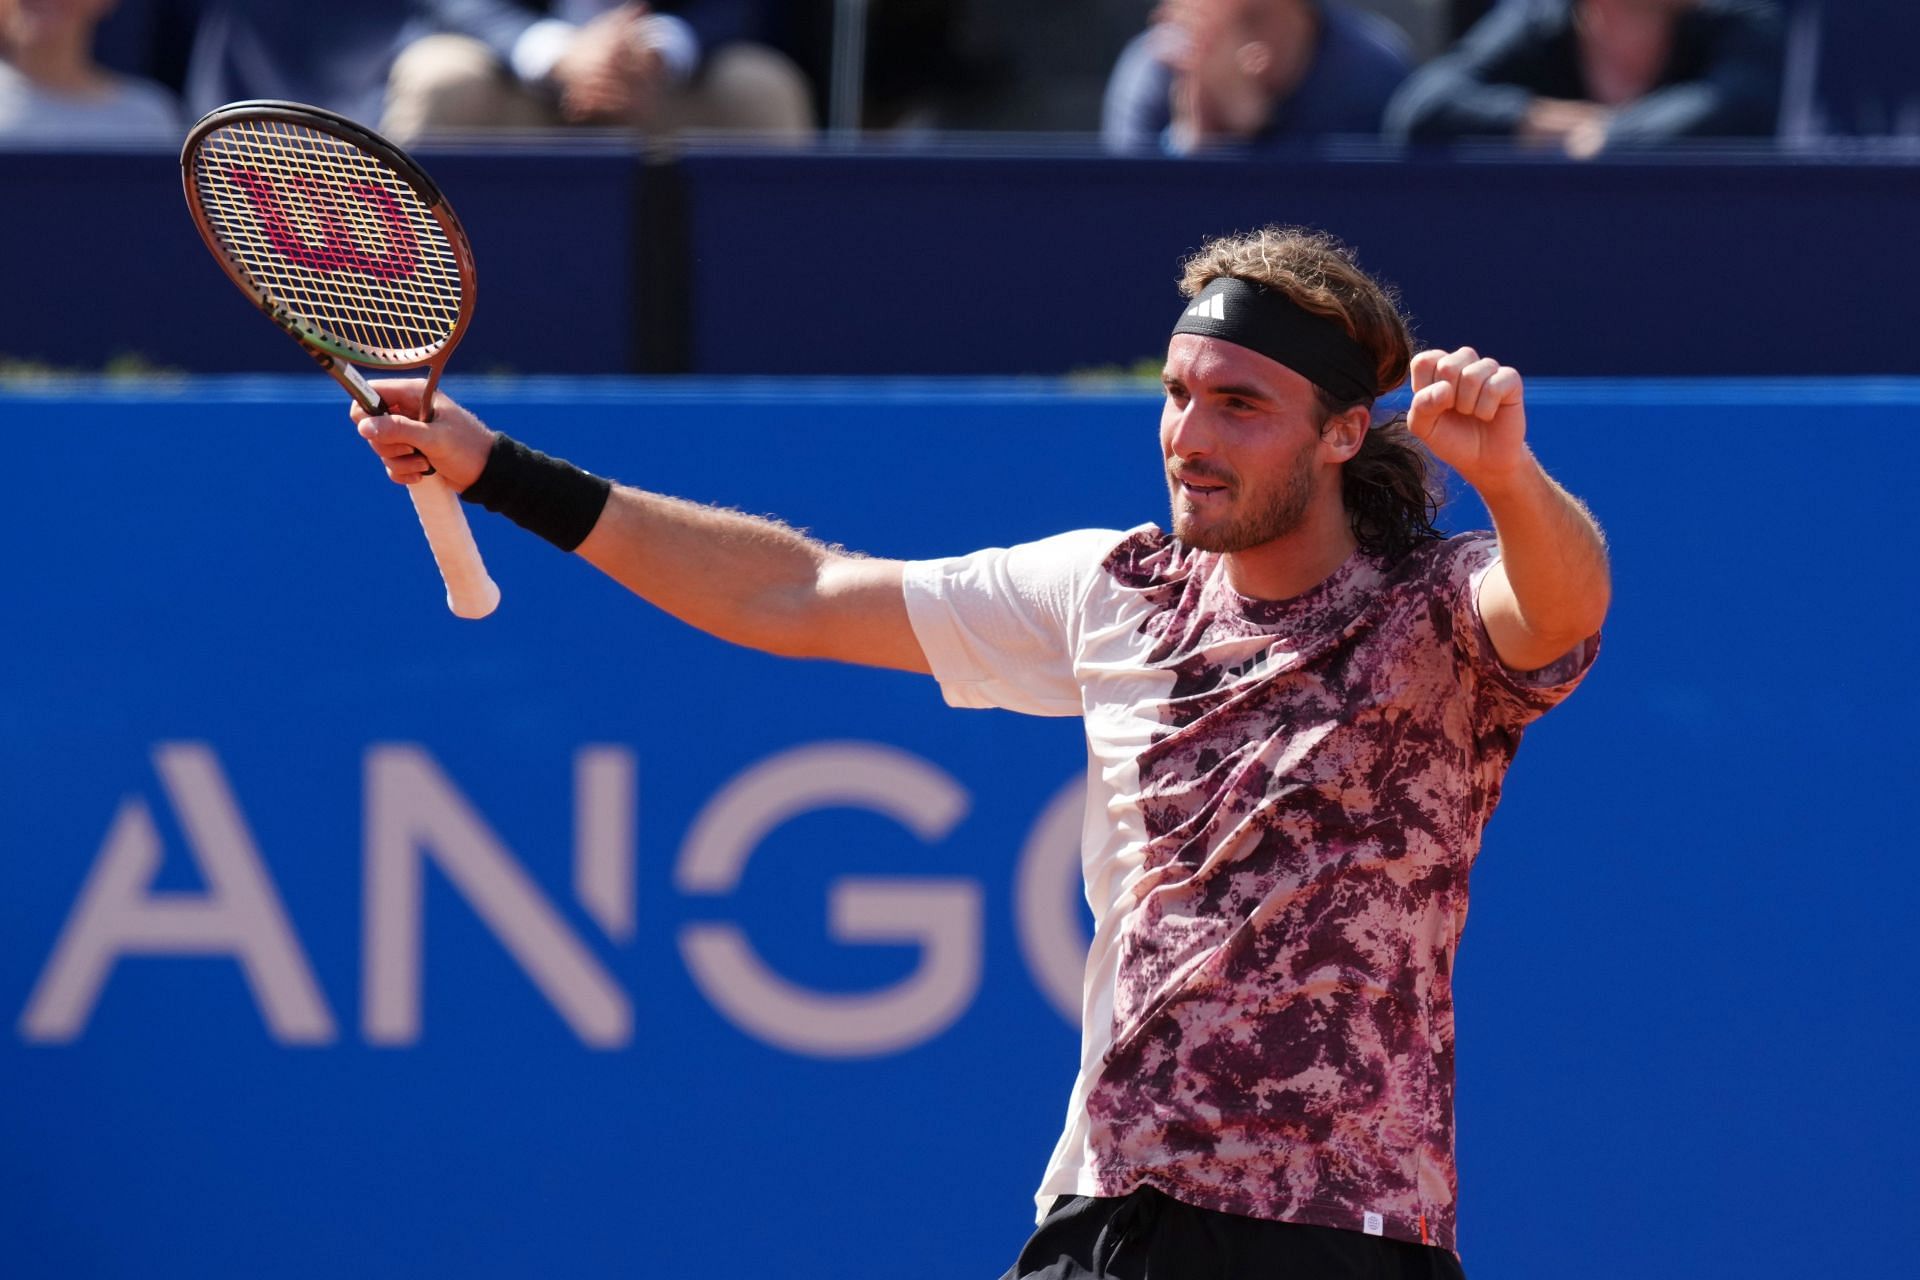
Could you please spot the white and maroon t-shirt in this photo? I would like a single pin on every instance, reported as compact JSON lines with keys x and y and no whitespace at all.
{"x":1284,"y":801}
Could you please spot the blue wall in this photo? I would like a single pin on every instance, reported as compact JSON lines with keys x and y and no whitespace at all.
{"x":1687,"y":994}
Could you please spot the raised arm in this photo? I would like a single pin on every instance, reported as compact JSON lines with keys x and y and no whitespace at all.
{"x":747,"y":580}
{"x":1552,"y":586}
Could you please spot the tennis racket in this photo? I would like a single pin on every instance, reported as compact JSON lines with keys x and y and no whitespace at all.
{"x":348,"y":246}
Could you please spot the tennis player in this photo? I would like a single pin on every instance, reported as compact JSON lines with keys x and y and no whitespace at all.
{"x":1300,"y":702}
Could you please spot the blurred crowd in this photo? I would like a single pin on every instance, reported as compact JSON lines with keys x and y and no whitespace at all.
{"x":1571,"y":77}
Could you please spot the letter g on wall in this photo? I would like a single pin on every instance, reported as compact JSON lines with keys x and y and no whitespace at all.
{"x":942,"y":916}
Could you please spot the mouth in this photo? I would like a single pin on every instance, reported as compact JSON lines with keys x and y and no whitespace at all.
{"x":1198,"y":489}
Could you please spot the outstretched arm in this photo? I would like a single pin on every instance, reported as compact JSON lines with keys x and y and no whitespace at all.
{"x":751,"y":581}
{"x":755,"y":582}
{"x":1551,"y":588}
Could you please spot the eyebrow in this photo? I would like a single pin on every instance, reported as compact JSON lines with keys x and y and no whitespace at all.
{"x":1243,"y":390}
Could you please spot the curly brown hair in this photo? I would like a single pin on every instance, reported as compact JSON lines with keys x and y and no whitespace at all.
{"x":1392,"y":489}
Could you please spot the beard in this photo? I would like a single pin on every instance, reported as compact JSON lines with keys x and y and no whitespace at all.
{"x":1271,"y":511}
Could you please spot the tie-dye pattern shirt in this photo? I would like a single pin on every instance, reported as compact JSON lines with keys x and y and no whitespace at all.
{"x":1284,"y":800}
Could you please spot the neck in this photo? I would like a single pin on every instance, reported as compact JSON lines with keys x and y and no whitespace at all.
{"x":58,"y":58}
{"x":1299,"y":560}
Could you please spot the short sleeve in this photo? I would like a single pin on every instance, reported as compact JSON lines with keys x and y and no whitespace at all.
{"x":1000,"y":627}
{"x":1511,"y":697}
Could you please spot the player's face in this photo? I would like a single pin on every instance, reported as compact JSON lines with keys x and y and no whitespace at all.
{"x":1241,"y":438}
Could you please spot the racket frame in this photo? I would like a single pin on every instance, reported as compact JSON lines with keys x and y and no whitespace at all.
{"x":336,"y":357}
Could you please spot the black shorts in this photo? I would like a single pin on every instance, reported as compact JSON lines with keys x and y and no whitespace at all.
{"x":1148,"y":1235}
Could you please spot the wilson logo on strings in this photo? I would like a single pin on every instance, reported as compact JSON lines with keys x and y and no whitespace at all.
{"x":336,"y":250}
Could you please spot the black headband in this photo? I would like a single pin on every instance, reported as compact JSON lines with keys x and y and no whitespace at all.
{"x":1267,"y":321}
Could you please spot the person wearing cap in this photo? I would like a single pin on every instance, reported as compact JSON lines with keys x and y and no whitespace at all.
{"x":1300,"y":701}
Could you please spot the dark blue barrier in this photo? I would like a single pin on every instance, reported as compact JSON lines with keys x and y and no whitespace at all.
{"x":949,"y":262}
{"x":236,"y":719}
{"x":99,"y":259}
{"x":1035,"y":264}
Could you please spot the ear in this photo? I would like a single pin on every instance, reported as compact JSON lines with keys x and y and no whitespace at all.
{"x":1345,"y":432}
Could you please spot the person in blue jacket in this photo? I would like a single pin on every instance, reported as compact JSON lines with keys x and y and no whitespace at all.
{"x":1252,"y":75}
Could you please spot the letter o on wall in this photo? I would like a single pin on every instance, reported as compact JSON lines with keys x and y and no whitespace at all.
{"x":1047,"y":906}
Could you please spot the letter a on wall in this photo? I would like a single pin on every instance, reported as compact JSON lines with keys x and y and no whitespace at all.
{"x":239,"y":915}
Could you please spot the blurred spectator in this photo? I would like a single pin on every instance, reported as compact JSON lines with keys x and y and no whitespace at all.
{"x":596,"y":62}
{"x":1425,"y":22}
{"x":477,"y":64}
{"x":1256,"y":73}
{"x":270,"y":49}
{"x":52,"y":89}
{"x":1584,"y":76}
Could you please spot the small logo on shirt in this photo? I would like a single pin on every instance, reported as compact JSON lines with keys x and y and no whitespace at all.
{"x":1214,"y":308}
{"x":1373,"y":1224}
{"x":1255,"y":664}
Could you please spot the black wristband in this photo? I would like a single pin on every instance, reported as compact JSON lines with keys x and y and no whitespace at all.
{"x":547,"y":496}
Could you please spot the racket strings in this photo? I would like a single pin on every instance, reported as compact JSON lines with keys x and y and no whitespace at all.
{"x":332,"y":234}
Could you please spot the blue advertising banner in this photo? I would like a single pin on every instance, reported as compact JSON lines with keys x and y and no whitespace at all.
{"x":338,"y":935}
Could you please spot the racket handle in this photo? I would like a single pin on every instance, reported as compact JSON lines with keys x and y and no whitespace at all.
{"x":470,"y":592}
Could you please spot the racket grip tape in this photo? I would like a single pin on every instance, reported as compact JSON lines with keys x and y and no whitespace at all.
{"x":470,"y":592}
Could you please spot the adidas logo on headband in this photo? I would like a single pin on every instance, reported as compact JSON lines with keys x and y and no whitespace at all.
{"x":1214,"y":308}
{"x":1316,"y":347}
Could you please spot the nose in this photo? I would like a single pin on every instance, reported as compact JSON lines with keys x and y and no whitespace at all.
{"x":1185,"y":430}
